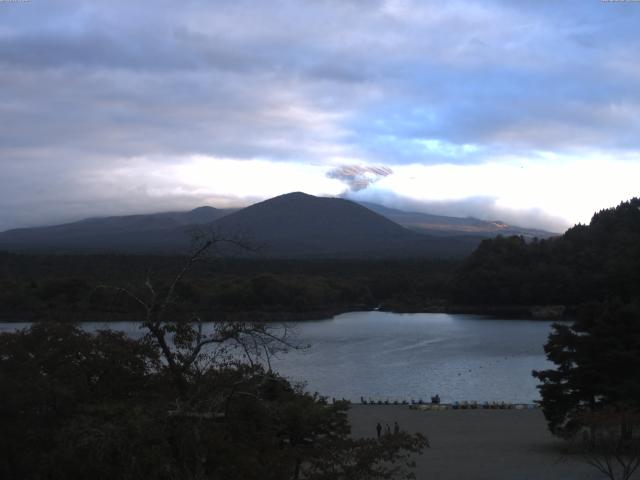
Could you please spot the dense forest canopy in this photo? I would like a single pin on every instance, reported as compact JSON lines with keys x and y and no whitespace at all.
{"x":588,"y":263}
{"x":62,"y":287}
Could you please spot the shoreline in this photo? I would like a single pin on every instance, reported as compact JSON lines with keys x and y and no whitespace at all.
{"x":512,"y":312}
{"x":507,"y":312}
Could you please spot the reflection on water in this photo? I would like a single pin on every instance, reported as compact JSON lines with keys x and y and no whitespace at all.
{"x":402,"y":356}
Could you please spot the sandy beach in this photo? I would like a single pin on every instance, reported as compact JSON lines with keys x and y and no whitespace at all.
{"x":478,"y":444}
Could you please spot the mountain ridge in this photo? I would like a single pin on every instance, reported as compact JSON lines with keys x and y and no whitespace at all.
{"x":294,"y":224}
{"x":447,"y":225}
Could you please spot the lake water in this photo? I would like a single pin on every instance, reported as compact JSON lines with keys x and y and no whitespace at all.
{"x":383,"y":355}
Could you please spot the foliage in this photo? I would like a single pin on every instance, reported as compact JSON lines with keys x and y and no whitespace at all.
{"x":178,"y":404}
{"x":80,"y":405}
{"x":597,"y":360}
{"x":55,"y":376}
{"x":587,"y":263}
{"x":63,"y":288}
{"x":611,"y":447}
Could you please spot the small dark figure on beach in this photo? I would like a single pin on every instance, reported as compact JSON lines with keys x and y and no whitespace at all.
{"x":435,"y":399}
{"x":396,"y":428}
{"x":387,"y":429}
{"x":379,"y":429}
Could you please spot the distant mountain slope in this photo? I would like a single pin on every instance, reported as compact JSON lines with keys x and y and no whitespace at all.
{"x":448,"y":226}
{"x":291,"y":225}
{"x":131,"y":233}
{"x":297,"y":224}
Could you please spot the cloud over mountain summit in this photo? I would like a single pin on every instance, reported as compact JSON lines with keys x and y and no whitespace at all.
{"x":110,"y":107}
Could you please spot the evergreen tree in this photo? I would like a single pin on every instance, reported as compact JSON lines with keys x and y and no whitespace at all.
{"x":595,"y":262}
{"x":597,"y":362}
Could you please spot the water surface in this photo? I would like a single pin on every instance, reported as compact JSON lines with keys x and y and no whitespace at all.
{"x":403,"y":356}
{"x":383,"y":355}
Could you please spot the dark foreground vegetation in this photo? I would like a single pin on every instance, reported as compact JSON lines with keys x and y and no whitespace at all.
{"x":76,"y":406}
{"x":592,"y":395}
{"x":184,"y":402}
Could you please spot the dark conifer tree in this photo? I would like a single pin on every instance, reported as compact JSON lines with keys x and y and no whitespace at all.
{"x":597,"y":362}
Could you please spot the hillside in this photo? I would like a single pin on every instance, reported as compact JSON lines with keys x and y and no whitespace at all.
{"x":297,"y":224}
{"x":131,"y":233}
{"x":450,"y":226}
{"x":294,"y":225}
{"x":592,"y":262}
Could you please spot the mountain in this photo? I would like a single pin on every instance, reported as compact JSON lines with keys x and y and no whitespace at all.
{"x":291,"y":225}
{"x":450,"y":226}
{"x":301,"y":225}
{"x":157,"y":232}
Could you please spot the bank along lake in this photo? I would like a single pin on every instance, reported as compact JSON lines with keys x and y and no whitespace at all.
{"x":382,"y":355}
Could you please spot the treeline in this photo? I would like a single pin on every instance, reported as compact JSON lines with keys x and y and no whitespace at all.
{"x":49,"y":287}
{"x":595,"y":262}
{"x":589,"y":263}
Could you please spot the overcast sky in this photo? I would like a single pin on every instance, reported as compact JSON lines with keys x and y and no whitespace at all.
{"x":525,"y":111}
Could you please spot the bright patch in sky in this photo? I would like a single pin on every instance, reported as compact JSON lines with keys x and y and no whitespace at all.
{"x":565,"y":191}
{"x":553,"y":192}
{"x":526,"y":112}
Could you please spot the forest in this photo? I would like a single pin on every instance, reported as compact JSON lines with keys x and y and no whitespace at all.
{"x":49,"y":287}
{"x":589,"y":263}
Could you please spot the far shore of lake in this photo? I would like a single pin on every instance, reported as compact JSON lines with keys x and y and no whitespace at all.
{"x":511,"y":312}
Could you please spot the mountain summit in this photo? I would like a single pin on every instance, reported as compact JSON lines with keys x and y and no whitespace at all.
{"x":294,"y":225}
{"x":297,"y":224}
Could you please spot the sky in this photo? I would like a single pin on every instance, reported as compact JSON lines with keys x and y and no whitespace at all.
{"x":526,"y":112}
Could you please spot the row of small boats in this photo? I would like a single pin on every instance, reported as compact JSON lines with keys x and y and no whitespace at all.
{"x":475,"y":406}
{"x":464,"y":405}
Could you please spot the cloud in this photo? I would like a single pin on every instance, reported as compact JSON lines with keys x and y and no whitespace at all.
{"x":89,"y":89}
{"x":482,"y":207}
{"x":147,"y":185}
{"x":549,"y":192}
{"x":359,"y":177}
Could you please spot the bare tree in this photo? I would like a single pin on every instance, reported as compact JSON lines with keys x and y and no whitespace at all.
{"x":608,"y":442}
{"x":223,"y":417}
{"x":185,"y":344}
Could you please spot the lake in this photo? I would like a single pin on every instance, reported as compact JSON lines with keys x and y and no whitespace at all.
{"x":382,"y":355}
